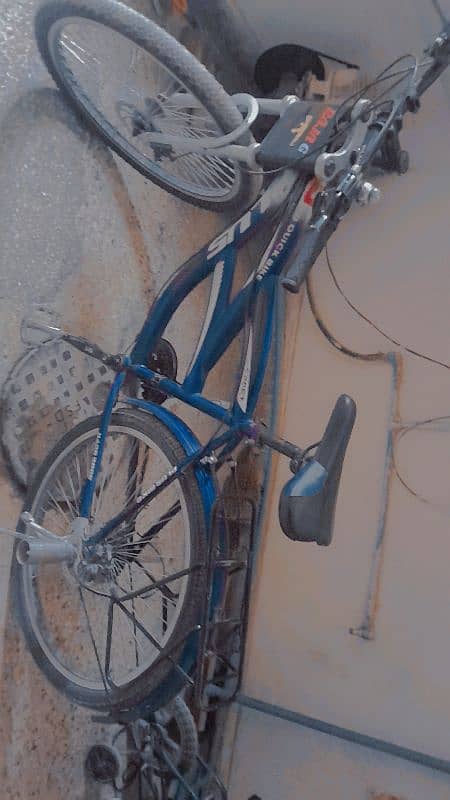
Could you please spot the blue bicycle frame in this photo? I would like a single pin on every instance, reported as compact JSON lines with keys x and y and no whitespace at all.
{"x":278,"y":207}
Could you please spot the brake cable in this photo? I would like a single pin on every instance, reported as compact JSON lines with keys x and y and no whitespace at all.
{"x":401,"y":429}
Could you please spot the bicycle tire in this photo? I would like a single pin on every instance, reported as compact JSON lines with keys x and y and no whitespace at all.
{"x":155,"y":686}
{"x":166,"y":50}
{"x":180,"y":716}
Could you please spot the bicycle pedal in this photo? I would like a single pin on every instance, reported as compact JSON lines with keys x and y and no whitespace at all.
{"x":162,"y":360}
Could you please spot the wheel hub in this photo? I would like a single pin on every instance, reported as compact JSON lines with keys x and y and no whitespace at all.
{"x":92,"y":565}
{"x":143,"y":115}
{"x":96,"y":565}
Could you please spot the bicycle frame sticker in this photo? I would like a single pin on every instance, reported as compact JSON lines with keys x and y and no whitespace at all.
{"x":244,"y":386}
{"x":225,"y":318}
{"x":244,"y":224}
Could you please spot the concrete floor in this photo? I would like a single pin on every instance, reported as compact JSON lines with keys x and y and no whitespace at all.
{"x":87,"y":235}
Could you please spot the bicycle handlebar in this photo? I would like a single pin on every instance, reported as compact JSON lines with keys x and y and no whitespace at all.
{"x":332,"y":204}
{"x":114,"y":362}
{"x":52,"y":332}
{"x":440,"y":52}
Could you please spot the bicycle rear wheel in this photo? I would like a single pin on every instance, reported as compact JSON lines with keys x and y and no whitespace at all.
{"x":106,"y":655}
{"x":128,"y":78}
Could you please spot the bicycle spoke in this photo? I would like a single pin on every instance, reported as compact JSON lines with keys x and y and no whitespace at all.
{"x":80,"y":479}
{"x":130,"y":551}
{"x":183,"y":124}
{"x":167,"y":593}
{"x":149,"y":607}
{"x":92,"y":641}
{"x":151,"y":532}
{"x":145,"y":90}
{"x":163,"y":582}
{"x":130,"y":578}
{"x":58,"y":508}
{"x":107,"y":476}
{"x":73,"y":490}
{"x":222,"y":165}
{"x":88,"y":61}
{"x":142,"y":629}
{"x":68,"y":502}
{"x":103,"y":677}
{"x":208,"y":171}
{"x":76,"y":45}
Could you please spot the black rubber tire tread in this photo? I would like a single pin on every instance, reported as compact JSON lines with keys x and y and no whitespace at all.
{"x":180,"y":61}
{"x":157,"y":686}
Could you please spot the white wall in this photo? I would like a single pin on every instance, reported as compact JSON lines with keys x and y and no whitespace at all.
{"x":369,"y":32}
{"x":394,"y":263}
{"x":292,"y":762}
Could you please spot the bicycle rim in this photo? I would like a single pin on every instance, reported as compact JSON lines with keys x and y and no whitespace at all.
{"x":141,"y":95}
{"x":68,"y":607}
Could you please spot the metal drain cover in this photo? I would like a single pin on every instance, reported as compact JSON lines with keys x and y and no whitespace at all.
{"x":49,"y":390}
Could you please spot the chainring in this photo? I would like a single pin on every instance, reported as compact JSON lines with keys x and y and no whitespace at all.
{"x":163,"y":360}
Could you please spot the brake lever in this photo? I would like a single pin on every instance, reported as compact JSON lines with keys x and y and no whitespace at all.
{"x":328,"y":165}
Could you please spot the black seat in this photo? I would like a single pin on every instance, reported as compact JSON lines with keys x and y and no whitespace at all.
{"x":308,"y":501}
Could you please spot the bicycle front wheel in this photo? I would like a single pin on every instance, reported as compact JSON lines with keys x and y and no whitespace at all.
{"x":105,"y":654}
{"x":128,"y":78}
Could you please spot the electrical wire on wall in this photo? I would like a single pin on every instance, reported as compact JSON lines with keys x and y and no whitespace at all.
{"x":401,"y":429}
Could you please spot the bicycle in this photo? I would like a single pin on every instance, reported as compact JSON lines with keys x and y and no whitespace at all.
{"x":110,"y":553}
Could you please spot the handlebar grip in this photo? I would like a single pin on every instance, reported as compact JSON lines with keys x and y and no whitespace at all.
{"x":314,"y":241}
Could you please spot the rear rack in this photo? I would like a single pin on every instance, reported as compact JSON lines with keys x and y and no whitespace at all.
{"x":222,"y":630}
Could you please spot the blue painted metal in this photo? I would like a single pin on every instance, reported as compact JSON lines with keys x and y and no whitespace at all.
{"x":228,"y":318}
{"x":233,"y":321}
{"x":307,"y":482}
{"x":270,"y":289}
{"x":196,"y":269}
{"x":195,"y":400}
{"x":89,"y":487}
{"x":277,"y":355}
{"x":194,"y":459}
{"x":227,"y":321}
{"x":177,"y":288}
{"x":208,"y":491}
{"x":189,"y":443}
{"x":348,"y":735}
{"x":195,"y":380}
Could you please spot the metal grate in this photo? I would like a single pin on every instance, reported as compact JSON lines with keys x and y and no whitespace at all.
{"x":49,"y":390}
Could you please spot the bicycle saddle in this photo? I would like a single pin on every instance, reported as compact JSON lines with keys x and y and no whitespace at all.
{"x":308,"y":500}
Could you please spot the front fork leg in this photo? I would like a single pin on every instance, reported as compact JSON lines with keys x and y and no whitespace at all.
{"x":89,"y":486}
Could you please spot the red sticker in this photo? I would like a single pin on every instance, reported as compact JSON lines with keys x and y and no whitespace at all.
{"x":311,"y":191}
